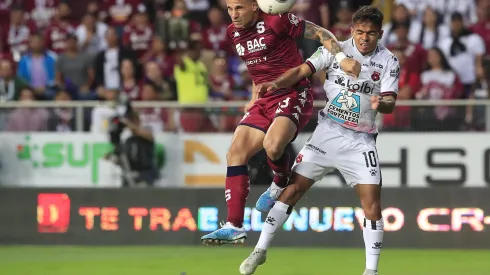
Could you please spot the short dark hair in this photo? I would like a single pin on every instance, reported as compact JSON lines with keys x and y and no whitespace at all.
{"x":368,"y":14}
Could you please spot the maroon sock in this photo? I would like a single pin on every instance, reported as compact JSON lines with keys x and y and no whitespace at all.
{"x":236,"y":192}
{"x":281,"y":169}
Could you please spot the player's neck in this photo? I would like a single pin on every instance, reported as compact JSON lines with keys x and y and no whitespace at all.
{"x":255,"y":19}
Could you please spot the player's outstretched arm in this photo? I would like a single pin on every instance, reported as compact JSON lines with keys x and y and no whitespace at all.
{"x":330,"y":42}
{"x":286,"y":80}
{"x":384,"y":105}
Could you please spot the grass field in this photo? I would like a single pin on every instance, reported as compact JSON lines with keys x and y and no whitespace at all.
{"x":162,"y":260}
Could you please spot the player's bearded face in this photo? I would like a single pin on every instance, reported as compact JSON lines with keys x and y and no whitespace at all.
{"x":366,"y":36}
{"x":242,"y":12}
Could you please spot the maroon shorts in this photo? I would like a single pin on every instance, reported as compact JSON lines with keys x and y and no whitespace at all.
{"x":292,"y":103}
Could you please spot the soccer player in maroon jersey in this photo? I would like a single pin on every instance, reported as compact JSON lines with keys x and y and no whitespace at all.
{"x":267,"y":45}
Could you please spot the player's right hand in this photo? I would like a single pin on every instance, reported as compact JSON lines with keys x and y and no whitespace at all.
{"x":351,"y":67}
{"x":265,"y":88}
{"x":249,"y":105}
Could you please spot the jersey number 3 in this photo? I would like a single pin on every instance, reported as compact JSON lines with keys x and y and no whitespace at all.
{"x":260,"y":27}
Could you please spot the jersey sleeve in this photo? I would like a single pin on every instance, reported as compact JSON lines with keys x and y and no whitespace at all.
{"x":391,"y":76}
{"x":320,"y":60}
{"x":289,"y":24}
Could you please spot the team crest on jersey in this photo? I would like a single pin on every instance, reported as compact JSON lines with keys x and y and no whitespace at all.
{"x":299,"y":158}
{"x":293,"y":19}
{"x":375,"y":76}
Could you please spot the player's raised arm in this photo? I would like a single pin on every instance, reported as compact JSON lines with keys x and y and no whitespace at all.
{"x":330,"y":42}
{"x":286,"y":80}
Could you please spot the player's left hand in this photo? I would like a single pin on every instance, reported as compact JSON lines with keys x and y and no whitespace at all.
{"x":351,"y":67}
{"x":265,"y":88}
{"x":375,"y":102}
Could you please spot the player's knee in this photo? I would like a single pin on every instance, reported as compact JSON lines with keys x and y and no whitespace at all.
{"x":274,"y":148}
{"x":236,"y":155}
{"x":372,"y":209}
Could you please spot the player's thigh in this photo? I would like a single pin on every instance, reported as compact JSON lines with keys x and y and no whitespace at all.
{"x":281,"y":132}
{"x":247,"y":141}
{"x":358,"y":162}
{"x":314,"y":160}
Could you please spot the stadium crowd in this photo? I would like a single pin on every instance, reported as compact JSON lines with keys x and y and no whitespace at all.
{"x":177,"y":50}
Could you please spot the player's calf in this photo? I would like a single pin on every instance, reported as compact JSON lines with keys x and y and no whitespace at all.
{"x":373,"y":224}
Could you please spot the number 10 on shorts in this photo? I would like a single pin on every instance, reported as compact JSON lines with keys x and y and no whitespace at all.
{"x":370,"y":158}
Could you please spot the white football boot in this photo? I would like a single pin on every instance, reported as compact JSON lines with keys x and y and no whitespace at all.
{"x":256,"y":259}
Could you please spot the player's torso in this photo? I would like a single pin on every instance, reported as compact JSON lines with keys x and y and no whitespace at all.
{"x":266,"y":53}
{"x":349,"y":99}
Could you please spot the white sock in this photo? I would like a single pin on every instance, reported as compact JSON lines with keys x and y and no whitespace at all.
{"x":276,"y":218}
{"x":373,"y":241}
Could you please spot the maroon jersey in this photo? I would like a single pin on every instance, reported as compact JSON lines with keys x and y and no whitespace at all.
{"x":41,"y":11}
{"x":216,"y":39}
{"x":414,"y":53}
{"x":56,"y":35}
{"x":268,"y":47}
{"x":120,"y":11}
{"x":138,"y":39}
{"x":132,"y":91}
{"x":16,"y":38}
{"x":5,"y":6}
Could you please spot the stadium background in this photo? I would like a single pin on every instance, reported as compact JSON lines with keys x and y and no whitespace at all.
{"x":58,"y":74}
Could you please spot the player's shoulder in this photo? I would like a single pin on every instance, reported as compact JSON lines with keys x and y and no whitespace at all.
{"x":385,"y":55}
{"x":231,"y":28}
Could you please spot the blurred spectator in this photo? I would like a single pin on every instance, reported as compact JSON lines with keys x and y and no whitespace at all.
{"x":107,"y":63}
{"x":154,"y":75}
{"x":37,"y":68}
{"x":415,"y":7}
{"x":157,"y":119}
{"x":176,"y":27}
{"x":222,"y":84}
{"x":244,"y":82}
{"x":74,"y":70}
{"x":27,"y":119}
{"x":413,"y":52}
{"x":316,"y":11}
{"x":401,"y":16}
{"x":40,"y":11}
{"x":102,"y":114}
{"x":214,"y":37}
{"x":467,"y":9}
{"x":90,"y":35}
{"x":158,"y":53}
{"x":430,"y":31}
{"x":409,"y":84}
{"x":129,"y":84}
{"x":198,"y":9}
{"x":5,"y":8}
{"x":15,"y":36}
{"x":191,"y":76}
{"x":138,"y":35}
{"x":62,"y":119}
{"x":439,"y":82}
{"x":464,"y":51}
{"x":59,"y":28}
{"x":10,"y":84}
{"x":341,"y":29}
{"x":119,"y":12}
{"x":482,"y":27}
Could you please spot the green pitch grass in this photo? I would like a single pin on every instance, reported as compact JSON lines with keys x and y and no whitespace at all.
{"x":163,"y":260}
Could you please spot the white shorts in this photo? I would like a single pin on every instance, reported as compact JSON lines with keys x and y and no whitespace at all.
{"x":332,"y":146}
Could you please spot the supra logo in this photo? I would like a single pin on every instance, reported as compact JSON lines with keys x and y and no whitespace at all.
{"x":373,"y":172}
{"x":378,"y":245}
{"x":270,"y":220}
{"x":240,"y":49}
{"x":256,"y":45}
{"x":395,"y":72}
{"x":227,"y":194}
{"x":53,"y":213}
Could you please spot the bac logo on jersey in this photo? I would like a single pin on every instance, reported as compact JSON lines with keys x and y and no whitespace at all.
{"x":240,"y":49}
{"x":345,"y":108}
{"x":375,"y":76}
{"x":256,"y":45}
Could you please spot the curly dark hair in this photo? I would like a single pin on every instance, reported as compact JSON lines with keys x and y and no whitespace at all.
{"x":367,"y":14}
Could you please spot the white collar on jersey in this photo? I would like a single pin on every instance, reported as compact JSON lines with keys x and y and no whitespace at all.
{"x":358,"y":52}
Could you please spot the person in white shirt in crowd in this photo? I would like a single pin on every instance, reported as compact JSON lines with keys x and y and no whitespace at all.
{"x":345,"y":137}
{"x":401,"y":15}
{"x":430,"y":30}
{"x":467,"y":9}
{"x":91,"y":34}
{"x":102,"y":114}
{"x":415,"y":7}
